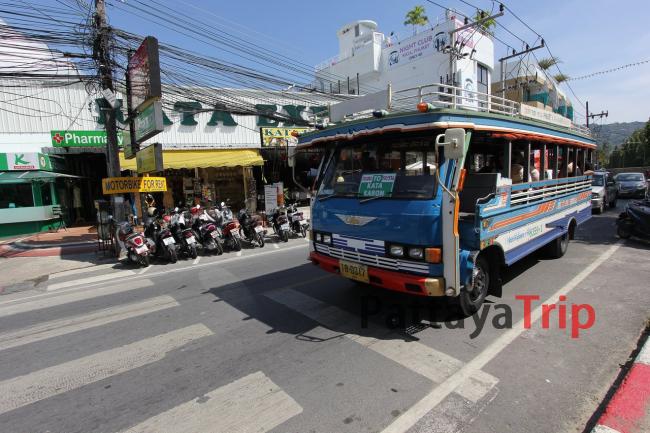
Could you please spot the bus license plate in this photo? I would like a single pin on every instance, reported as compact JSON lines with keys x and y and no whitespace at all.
{"x":354,"y":271}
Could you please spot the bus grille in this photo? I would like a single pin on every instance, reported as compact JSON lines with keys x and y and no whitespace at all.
{"x":372,"y":260}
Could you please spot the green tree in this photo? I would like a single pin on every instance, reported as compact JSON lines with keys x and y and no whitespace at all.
{"x":547,"y":62}
{"x":487,"y":25}
{"x":561,"y":78}
{"x":416,"y":17}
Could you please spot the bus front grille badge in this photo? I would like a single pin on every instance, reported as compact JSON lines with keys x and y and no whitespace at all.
{"x":355,"y":220}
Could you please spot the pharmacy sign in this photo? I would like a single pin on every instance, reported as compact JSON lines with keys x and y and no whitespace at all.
{"x":94,"y":138}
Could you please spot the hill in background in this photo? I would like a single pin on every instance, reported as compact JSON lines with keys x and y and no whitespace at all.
{"x":614,"y":133}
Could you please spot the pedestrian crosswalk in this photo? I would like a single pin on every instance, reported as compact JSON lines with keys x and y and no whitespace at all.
{"x":250,"y":402}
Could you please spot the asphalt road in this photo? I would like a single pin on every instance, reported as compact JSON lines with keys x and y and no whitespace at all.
{"x":265,"y":341}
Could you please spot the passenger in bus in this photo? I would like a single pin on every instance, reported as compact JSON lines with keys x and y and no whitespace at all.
{"x":517,"y":173}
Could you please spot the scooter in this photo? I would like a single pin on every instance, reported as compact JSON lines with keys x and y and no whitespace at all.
{"x":280,"y":221}
{"x":207,"y":231}
{"x":298,"y":223}
{"x":251,"y":228}
{"x":183,"y":235}
{"x":635,"y":220}
{"x":137,"y":251}
{"x":230,"y":229}
{"x":160,"y":239}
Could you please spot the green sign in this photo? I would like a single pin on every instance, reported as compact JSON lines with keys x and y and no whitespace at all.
{"x":95,"y":138}
{"x":149,"y":122}
{"x":377,"y":185}
{"x":24,"y":161}
{"x":149,"y":159}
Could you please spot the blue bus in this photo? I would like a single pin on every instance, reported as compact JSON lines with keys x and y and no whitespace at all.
{"x":432,"y":191}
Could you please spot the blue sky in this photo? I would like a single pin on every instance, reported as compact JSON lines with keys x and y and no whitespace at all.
{"x":588,"y":35}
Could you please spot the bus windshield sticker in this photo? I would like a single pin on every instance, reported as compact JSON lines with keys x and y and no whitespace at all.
{"x":377,"y":185}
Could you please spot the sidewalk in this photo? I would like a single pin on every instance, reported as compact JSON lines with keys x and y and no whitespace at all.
{"x":628,"y":411}
{"x":26,"y":261}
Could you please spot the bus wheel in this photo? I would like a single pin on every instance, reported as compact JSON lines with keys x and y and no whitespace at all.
{"x":558,"y":247}
{"x":471,"y":298}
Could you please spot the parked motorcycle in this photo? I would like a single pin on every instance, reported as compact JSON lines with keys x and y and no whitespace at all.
{"x":297,"y":221}
{"x":208,"y":233}
{"x":230,"y":229}
{"x":251,"y":228}
{"x":280,"y":222}
{"x":160,"y":239}
{"x":137,"y":251}
{"x":183,"y":235}
{"x":635,"y":220}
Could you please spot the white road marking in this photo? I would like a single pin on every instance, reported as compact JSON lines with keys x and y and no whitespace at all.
{"x":238,"y":253}
{"x":48,"y":382}
{"x":276,"y":246}
{"x":59,"y":298}
{"x":196,"y":260}
{"x":55,"y":328}
{"x":477,"y":386}
{"x":603,"y":429}
{"x":644,"y":355}
{"x":250,"y":404}
{"x":409,"y":418}
{"x":78,"y":271}
{"x":155,"y":274}
{"x":422,"y":359}
{"x":90,"y":280}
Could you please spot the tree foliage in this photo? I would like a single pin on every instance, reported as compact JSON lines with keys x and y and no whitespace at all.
{"x":416,"y":17}
{"x":635,"y":152}
{"x":561,"y":78}
{"x":486,"y":25}
{"x":547,"y":62}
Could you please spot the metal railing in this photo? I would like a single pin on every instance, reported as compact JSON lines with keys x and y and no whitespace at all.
{"x":451,"y":97}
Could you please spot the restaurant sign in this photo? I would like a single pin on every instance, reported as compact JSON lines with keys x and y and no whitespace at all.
{"x":93,"y":138}
{"x":24,"y":161}
{"x":280,"y":137}
{"x":122,"y":185}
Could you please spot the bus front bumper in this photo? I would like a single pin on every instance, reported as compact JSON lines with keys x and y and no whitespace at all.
{"x":396,"y":281}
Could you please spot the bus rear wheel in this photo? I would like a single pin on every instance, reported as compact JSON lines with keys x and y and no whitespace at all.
{"x":471,"y":298}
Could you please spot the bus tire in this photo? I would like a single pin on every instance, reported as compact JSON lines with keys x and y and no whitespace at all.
{"x":471,"y":298}
{"x":558,"y":247}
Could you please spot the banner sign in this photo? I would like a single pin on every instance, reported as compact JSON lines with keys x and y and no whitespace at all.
{"x":144,"y":73}
{"x":412,"y":49}
{"x":377,"y":185}
{"x":149,"y":159}
{"x":544,"y":115}
{"x":280,"y":137}
{"x":94,"y":138}
{"x":24,"y":161}
{"x":149,"y":122}
{"x":122,"y":185}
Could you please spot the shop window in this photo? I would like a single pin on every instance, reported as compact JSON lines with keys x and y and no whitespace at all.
{"x":16,"y":195}
{"x":46,"y":194}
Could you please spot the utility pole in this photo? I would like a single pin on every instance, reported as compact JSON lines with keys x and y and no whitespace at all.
{"x":102,"y":56}
{"x":502,"y":63}
{"x":593,"y":116}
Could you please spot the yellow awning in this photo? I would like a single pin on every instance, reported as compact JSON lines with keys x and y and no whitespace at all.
{"x":202,"y":158}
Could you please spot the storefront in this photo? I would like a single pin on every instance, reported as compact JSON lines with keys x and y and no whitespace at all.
{"x":29,"y":193}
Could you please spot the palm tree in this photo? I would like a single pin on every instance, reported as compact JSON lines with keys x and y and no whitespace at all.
{"x":547,"y":62}
{"x":486,"y":25}
{"x":560,"y":78}
{"x":416,"y":17}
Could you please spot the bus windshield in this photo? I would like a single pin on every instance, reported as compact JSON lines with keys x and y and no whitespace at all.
{"x":403,"y":170}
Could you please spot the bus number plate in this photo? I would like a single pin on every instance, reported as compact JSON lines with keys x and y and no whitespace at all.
{"x":354,"y":271}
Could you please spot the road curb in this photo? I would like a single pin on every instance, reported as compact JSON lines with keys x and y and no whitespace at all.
{"x":631,"y":401}
{"x":12,"y":250}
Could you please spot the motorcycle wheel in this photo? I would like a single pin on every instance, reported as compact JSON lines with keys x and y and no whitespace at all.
{"x":219,"y":248}
{"x":144,"y":260}
{"x":623,"y":231}
{"x":284,"y":235}
{"x":260,"y":239}
{"x":171,"y":253}
{"x":236,"y":244}
{"x":303,"y":231}
{"x":193,"y":252}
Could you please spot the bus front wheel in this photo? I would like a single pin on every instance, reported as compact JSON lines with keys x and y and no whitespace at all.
{"x":559,"y":246}
{"x":471,"y":298}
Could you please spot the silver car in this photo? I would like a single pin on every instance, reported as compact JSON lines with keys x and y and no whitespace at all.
{"x":631,"y":185}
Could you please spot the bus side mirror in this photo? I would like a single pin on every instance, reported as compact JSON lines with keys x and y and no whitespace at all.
{"x":291,"y":156}
{"x":454,"y":142}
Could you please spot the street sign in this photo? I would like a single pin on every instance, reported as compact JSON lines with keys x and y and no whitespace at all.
{"x":144,"y":73}
{"x":280,"y":137}
{"x":377,"y":185}
{"x":149,"y":159}
{"x":94,"y":138}
{"x":122,"y":185}
{"x":148,"y":122}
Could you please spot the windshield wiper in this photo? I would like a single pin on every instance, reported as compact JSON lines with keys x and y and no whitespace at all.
{"x":325,"y":197}
{"x":370,"y":198}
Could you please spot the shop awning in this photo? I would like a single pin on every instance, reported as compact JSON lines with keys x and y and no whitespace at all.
{"x":28,"y":176}
{"x":202,"y":158}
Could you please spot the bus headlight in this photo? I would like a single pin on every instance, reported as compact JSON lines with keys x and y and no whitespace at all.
{"x":416,"y":253}
{"x":397,"y":251}
{"x":327,"y":239}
